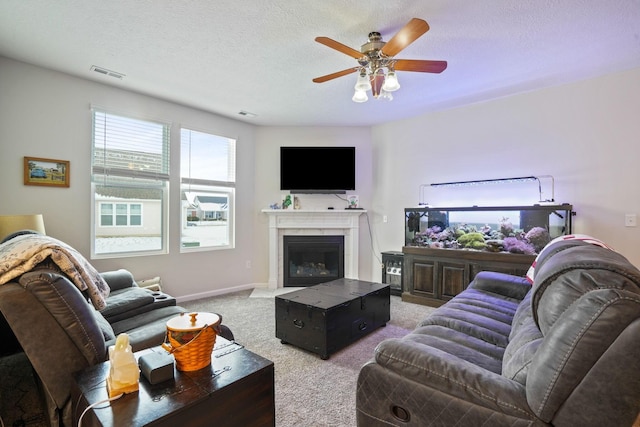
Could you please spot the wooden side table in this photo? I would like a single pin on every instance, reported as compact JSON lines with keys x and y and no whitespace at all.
{"x":236,"y":389}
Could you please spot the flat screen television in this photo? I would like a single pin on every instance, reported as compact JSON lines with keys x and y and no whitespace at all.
{"x":322,"y":170}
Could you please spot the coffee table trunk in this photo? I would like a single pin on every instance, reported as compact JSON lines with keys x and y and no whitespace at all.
{"x":327,"y":317}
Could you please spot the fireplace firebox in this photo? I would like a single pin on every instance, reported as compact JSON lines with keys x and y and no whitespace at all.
{"x":309,"y":260}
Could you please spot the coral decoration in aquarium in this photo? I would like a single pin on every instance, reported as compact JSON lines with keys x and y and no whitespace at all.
{"x":518,"y":230}
{"x":506,"y":239}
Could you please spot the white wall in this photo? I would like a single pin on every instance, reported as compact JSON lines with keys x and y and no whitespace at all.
{"x":584,"y":134}
{"x":267,"y":185}
{"x":47,"y":114}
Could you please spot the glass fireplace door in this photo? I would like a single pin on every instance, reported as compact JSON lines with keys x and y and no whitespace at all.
{"x":309,"y":260}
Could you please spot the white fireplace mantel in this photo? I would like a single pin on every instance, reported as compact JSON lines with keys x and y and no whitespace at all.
{"x":301,"y":222}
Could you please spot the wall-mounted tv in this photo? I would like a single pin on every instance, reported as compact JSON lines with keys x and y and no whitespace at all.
{"x":328,"y":170}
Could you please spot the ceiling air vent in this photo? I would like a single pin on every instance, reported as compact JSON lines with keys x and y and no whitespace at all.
{"x":247,"y":114}
{"x":106,"y":72}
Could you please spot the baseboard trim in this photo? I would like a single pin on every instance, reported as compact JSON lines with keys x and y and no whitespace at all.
{"x":216,"y":292}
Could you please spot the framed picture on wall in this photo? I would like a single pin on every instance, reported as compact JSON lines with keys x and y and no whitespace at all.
{"x":49,"y":172}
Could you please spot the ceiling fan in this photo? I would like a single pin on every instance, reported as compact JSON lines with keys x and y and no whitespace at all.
{"x":377,"y":55}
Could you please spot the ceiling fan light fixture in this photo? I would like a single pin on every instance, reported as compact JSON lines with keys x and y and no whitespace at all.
{"x":377,"y":64}
{"x":385,"y":95}
{"x":360,"y":96}
{"x":391,"y":82}
{"x":363,"y":83}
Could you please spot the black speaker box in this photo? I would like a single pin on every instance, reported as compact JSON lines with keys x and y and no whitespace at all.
{"x":156,"y":367}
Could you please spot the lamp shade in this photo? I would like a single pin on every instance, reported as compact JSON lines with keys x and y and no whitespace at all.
{"x":12,"y":223}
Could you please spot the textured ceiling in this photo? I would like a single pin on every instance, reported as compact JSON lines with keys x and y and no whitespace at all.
{"x":260,"y":56}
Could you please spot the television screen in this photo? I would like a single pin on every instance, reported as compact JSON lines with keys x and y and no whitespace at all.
{"x":328,"y":170}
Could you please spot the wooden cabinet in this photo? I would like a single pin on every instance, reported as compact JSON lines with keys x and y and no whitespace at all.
{"x":434,"y":276}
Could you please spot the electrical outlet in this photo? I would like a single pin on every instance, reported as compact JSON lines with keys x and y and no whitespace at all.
{"x":384,"y":218}
{"x":630,"y":220}
{"x":247,"y":264}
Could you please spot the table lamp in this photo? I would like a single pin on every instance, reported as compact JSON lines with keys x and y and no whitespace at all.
{"x":12,"y":223}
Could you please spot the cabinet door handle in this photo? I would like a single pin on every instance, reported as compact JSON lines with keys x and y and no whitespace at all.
{"x":362,"y":326}
{"x":298,"y":323}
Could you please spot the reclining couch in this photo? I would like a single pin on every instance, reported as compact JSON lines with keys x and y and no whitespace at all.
{"x":61,"y":332}
{"x":563,"y":351}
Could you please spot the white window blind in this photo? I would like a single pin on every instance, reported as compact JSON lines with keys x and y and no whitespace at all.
{"x":130,"y":183}
{"x":129,"y":148}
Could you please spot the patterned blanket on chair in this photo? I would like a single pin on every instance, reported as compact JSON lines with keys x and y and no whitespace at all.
{"x":23,"y":253}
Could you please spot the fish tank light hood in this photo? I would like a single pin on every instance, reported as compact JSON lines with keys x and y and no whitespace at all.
{"x":547,"y":179}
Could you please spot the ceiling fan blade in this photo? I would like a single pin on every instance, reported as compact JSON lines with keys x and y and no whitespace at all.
{"x":335,"y":75}
{"x":407,"y":35}
{"x":422,"y":66}
{"x":339,"y":47}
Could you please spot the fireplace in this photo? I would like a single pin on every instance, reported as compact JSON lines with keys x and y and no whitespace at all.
{"x":325,"y":222}
{"x":309,"y":260}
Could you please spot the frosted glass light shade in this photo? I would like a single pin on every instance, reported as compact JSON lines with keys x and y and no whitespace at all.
{"x":360,"y":96}
{"x":387,"y":96}
{"x":363,"y":83}
{"x":391,"y":82}
{"x":12,"y":223}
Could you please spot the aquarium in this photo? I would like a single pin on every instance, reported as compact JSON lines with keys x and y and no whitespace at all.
{"x":514,"y":229}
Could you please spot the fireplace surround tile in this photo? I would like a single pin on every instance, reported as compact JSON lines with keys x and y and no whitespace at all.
{"x":312,"y":222}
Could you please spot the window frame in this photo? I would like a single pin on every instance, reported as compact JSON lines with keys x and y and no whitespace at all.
{"x":108,"y":175}
{"x":206,"y":186}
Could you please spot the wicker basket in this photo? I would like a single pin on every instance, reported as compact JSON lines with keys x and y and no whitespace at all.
{"x":191,"y":337}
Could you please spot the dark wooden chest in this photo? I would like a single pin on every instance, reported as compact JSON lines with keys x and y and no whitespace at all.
{"x":327,"y":317}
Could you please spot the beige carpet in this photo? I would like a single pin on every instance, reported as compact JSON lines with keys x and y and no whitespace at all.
{"x":308,"y":391}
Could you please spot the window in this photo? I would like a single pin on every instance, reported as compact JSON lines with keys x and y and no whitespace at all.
{"x":124,"y":214}
{"x":130,"y":179}
{"x":207,"y":176}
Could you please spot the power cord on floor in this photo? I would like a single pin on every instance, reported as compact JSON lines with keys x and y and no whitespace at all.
{"x":93,"y":405}
{"x":371,"y":236}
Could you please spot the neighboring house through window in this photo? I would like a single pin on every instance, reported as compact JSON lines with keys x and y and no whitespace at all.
{"x":130,"y":180}
{"x":120,"y":214}
{"x":207,"y":176}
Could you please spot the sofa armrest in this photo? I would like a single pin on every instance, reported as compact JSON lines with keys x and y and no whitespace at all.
{"x":452,"y":376}
{"x":119,"y":279}
{"x":502,"y":284}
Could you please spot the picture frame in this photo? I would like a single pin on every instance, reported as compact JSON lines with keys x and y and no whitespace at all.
{"x":47,"y":172}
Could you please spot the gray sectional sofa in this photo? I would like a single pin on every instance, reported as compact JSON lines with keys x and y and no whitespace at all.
{"x":564,"y":351}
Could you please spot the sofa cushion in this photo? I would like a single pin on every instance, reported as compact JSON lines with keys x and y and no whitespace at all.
{"x":124,"y":300}
{"x":69,"y":308}
{"x":147,"y":329}
{"x":585,"y":299}
{"x":473,"y":327}
{"x":524,"y":339}
{"x":118,"y":279}
{"x":571,"y":273}
{"x":480,"y":314}
{"x":105,"y":326}
{"x":559,"y":244}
